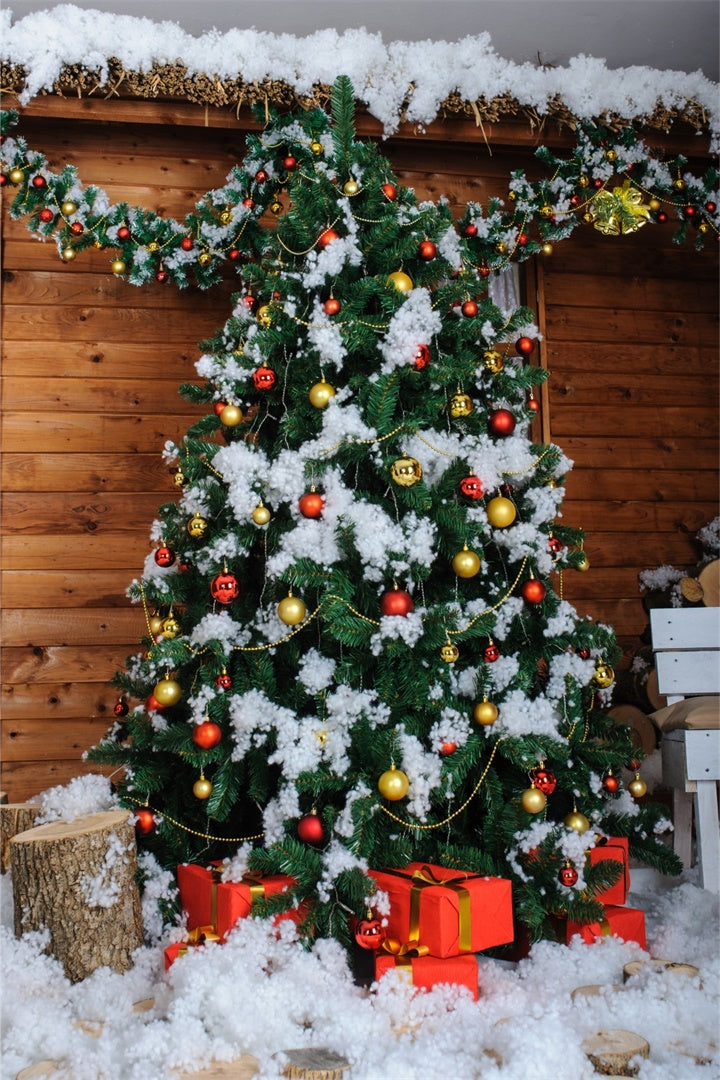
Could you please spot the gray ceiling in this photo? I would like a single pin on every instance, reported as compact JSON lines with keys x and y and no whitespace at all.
{"x":680,"y":35}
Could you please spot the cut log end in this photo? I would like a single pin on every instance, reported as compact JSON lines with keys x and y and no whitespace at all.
{"x":615,"y":1052}
{"x":242,"y":1068}
{"x":314,"y":1063}
{"x":645,"y":967}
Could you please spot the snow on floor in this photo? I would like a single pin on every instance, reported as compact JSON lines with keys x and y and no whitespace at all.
{"x":261,"y":993}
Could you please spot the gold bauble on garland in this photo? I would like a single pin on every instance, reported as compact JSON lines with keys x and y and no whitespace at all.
{"x":400,"y":281}
{"x":202,"y":788}
{"x":501,"y":512}
{"x":261,"y":515}
{"x":231,"y":416}
{"x":466,"y":563}
{"x":171,"y":628}
{"x":291,"y":610}
{"x":485,"y":713}
{"x":168,"y":691}
{"x":406,"y":471}
{"x":393,"y":784}
{"x":533,"y":800}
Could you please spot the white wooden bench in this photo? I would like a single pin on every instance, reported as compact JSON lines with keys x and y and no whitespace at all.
{"x":686,"y":643}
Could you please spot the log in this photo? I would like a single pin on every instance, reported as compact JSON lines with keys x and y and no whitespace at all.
{"x":242,"y":1068}
{"x":314,"y":1063}
{"x":593,"y":990}
{"x":640,"y":967}
{"x":611,"y":1052}
{"x":78,"y":880}
{"x":642,"y":731}
{"x":14,"y":818}
{"x":47,"y":1068}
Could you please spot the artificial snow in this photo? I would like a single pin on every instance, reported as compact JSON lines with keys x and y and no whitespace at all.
{"x":262,"y":993}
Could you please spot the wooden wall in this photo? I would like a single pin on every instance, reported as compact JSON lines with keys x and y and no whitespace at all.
{"x":90,"y":368}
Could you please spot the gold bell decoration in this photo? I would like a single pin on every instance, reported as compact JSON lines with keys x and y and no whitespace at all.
{"x":620,"y":210}
{"x":261,"y":515}
{"x":449,"y":652}
{"x":486,"y":713}
{"x":460,"y":405}
{"x":178,"y":477}
{"x":393,"y":784}
{"x":197,"y":525}
{"x":291,"y":610}
{"x":493,"y":361}
{"x":604,"y":675}
{"x":321,"y":393}
{"x":406,"y":471}
{"x":466,"y":563}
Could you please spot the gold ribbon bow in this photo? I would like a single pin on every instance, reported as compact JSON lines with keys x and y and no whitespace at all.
{"x":403,"y":953}
{"x":619,"y":211}
{"x":421,"y":879}
{"x":200,"y":935}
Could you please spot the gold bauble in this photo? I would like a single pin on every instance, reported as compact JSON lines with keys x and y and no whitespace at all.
{"x":501,"y":512}
{"x":168,"y":692}
{"x":393,"y":784}
{"x":67,"y":254}
{"x":178,"y":478}
{"x":16,"y":176}
{"x":406,"y":471}
{"x":533,"y":800}
{"x":261,"y":515}
{"x":501,"y":247}
{"x":449,"y":652}
{"x":583,"y":562}
{"x":171,"y":627}
{"x":547,"y":248}
{"x":584,"y":181}
{"x":316,"y":147}
{"x":204,"y":258}
{"x":153,"y":246}
{"x":118,"y":266}
{"x":637,"y":787}
{"x":320,"y":394}
{"x":577,"y":821}
{"x":197,"y":525}
{"x":225,"y":217}
{"x":400,"y":281}
{"x":654,"y":205}
{"x":351,"y":187}
{"x":264,"y":316}
{"x":231,"y":416}
{"x":703,"y":227}
{"x":466,"y":563}
{"x":291,"y":610}
{"x":202,"y":788}
{"x":155,"y":623}
{"x":486,"y":713}
{"x":493,"y":361}
{"x":679,"y":184}
{"x":611,"y":155}
{"x":276,"y":207}
{"x":604,"y":675}
{"x":546,"y":210}
{"x":68,"y":207}
{"x":460,"y":405}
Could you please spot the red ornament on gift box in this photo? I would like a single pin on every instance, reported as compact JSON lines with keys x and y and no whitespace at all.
{"x":310,"y":829}
{"x":471,"y":487}
{"x":264,"y":378}
{"x":225,"y":588}
{"x":207,"y":735}
{"x":501,"y":423}
{"x":397,"y":602}
{"x":421,"y":358}
{"x":164,"y":556}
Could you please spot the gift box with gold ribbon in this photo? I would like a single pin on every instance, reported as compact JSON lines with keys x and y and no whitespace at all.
{"x":209,"y":901}
{"x":199,"y":936}
{"x":450,"y":911}
{"x":424,"y":971}
{"x":621,"y":922}
{"x":613,"y":847}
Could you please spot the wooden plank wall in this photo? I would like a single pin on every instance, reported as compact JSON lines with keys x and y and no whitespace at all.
{"x":90,"y":368}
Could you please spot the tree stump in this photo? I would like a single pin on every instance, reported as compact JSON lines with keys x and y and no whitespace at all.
{"x":14,"y":818}
{"x":315,"y":1063}
{"x":611,"y":1052}
{"x":242,"y":1068}
{"x":640,"y":967}
{"x":78,"y":880}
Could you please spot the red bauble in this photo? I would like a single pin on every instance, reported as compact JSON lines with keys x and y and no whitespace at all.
{"x":161,"y":276}
{"x":448,"y":748}
{"x":611,"y":783}
{"x":233,"y":254}
{"x":207,"y":735}
{"x":310,"y":829}
{"x":225,"y":588}
{"x":249,"y":301}
{"x":46,"y":214}
{"x":151,"y":702}
{"x":574,"y":200}
{"x":690,"y":211}
{"x":39,"y":182}
{"x":186,"y":243}
{"x":469,"y":309}
{"x":327,"y":237}
{"x":568,"y":876}
{"x":120,"y":708}
{"x":484,"y":270}
{"x":164,"y":556}
{"x":77,"y":228}
{"x":470,"y":229}
{"x":711,"y":207}
{"x":144,"y":821}
{"x":524,"y":346}
{"x":427,"y":250}
{"x":584,"y":654}
{"x":3,"y":179}
{"x":218,"y":407}
{"x":397,"y":602}
{"x":421,"y":358}
{"x":533,"y":591}
{"x":332,"y":306}
{"x":491,"y":653}
{"x":544,"y":780}
{"x":522,"y":239}
{"x":501,"y":423}
{"x":311,"y":504}
{"x":369,"y":933}
{"x":124,"y":233}
{"x":471,"y":487}
{"x":390,"y":192}
{"x":264,"y":378}
{"x":223,"y":681}
{"x":661,"y":217}
{"x":597,"y":182}
{"x":533,"y":405}
{"x":554,"y":545}
{"x":290,"y":163}
{"x":261,"y":176}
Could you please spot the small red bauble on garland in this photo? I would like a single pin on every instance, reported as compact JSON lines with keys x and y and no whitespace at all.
{"x":162,"y":276}
{"x":469,"y":309}
{"x":533,"y":591}
{"x":390,"y":192}
{"x":290,"y":163}
{"x":310,"y":829}
{"x":46,"y":214}
{"x":120,"y":708}
{"x":397,"y":602}
{"x":544,"y":780}
{"x":524,"y":346}
{"x":491,"y":653}
{"x":471,"y":487}
{"x":369,"y":932}
{"x":501,"y":422}
{"x":332,"y":306}
{"x":207,"y":735}
{"x":223,"y":681}
{"x":584,"y":654}
{"x":522,"y":239}
{"x":186,"y":243}
{"x":225,"y":588}
{"x":533,"y":403}
{"x":164,"y":556}
{"x":311,"y":504}
{"x":611,"y":783}
{"x":39,"y":182}
{"x":711,"y":207}
{"x":233,"y":254}
{"x":427,"y":250}
{"x":568,"y":875}
{"x":77,"y":228}
{"x":218,"y":407}
{"x":554,"y":545}
{"x":326,"y":237}
{"x":484,"y":270}
{"x":144,"y":821}
{"x":421,"y":358}
{"x":264,"y":378}
{"x":124,"y":233}
{"x":261,"y":176}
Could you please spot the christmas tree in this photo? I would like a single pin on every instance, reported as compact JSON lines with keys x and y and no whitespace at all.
{"x":357,"y":651}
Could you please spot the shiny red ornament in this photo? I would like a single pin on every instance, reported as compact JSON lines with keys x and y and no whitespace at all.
{"x":568,"y":876}
{"x":397,"y":602}
{"x":39,"y":182}
{"x":448,"y":748}
{"x":144,"y":821}
{"x":164,"y":556}
{"x":633,"y":765}
{"x":326,"y":237}
{"x":533,"y":405}
{"x":225,"y":588}
{"x":369,"y":933}
{"x":124,"y":233}
{"x":524,"y":346}
{"x":233,"y":254}
{"x":544,"y":780}
{"x":469,"y":309}
{"x":3,"y":179}
{"x":249,"y":203}
{"x":484,"y":270}
{"x":584,"y":654}
{"x":661,"y":217}
{"x":597,"y":183}
{"x":264,"y":378}
{"x":223,"y":681}
{"x":470,"y":229}
{"x":390,"y":192}
{"x":421,"y":358}
{"x":310,"y":829}
{"x":332,"y":306}
{"x":290,"y":163}
{"x":501,"y":423}
{"x":207,"y":735}
{"x":218,"y":407}
{"x":711,"y":207}
{"x":311,"y":504}
{"x":161,"y":276}
{"x":611,"y":783}
{"x":427,"y":250}
{"x":261,"y":176}
{"x":522,"y":239}
{"x":574,"y":200}
{"x":120,"y":708}
{"x":77,"y":228}
{"x":554,"y":545}
{"x":533,"y":591}
{"x":186,"y":243}
{"x":471,"y":487}
{"x":151,"y":702}
{"x":690,"y":212}
{"x":491,"y":653}
{"x":46,"y":214}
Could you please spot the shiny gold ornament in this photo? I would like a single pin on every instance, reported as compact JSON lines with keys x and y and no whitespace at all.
{"x":97,"y":244}
{"x":637,"y":787}
{"x":261,"y":515}
{"x":486,"y":713}
{"x":501,"y":247}
{"x":400,"y":281}
{"x":231,"y":416}
{"x":171,"y":627}
{"x":460,"y":405}
{"x":611,"y":155}
{"x":546,"y":210}
{"x":16,"y":176}
{"x":577,"y":821}
{"x":68,"y":254}
{"x":118,"y":266}
{"x":583,"y":562}
{"x":197,"y":525}
{"x":406,"y":471}
{"x":466,"y":563}
{"x":321,"y":736}
{"x":604,"y":675}
{"x":291,"y":610}
{"x":533,"y":800}
{"x":316,"y":147}
{"x":320,"y":394}
{"x":204,"y":258}
{"x":620,"y":211}
{"x":703,"y":227}
{"x":264,"y":315}
{"x":68,"y":207}
{"x":589,"y":217}
{"x":547,"y":248}
{"x":654,"y":205}
{"x":276,"y":207}
{"x":168,"y":691}
{"x":351,"y":187}
{"x":501,"y":512}
{"x":493,"y":361}
{"x":225,"y":217}
{"x":393,"y":784}
{"x":155,"y":623}
{"x":679,"y":184}
{"x":153,"y":246}
{"x":202,"y":788}
{"x":512,"y":195}
{"x":178,"y":477}
{"x":449,"y":652}
{"x":584,"y":181}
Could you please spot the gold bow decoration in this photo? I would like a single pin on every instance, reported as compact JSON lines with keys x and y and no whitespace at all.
{"x":200,"y":935}
{"x":619,"y":211}
{"x":403,"y":953}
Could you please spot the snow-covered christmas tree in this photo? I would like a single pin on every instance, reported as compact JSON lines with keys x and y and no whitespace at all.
{"x":357,"y":651}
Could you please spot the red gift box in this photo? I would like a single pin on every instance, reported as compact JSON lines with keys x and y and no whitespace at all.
{"x":424,"y":972}
{"x":622,"y":922}
{"x":208,"y":901}
{"x":613,"y":847}
{"x":448,"y":911}
{"x":199,"y":936}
